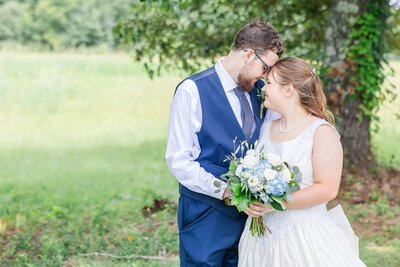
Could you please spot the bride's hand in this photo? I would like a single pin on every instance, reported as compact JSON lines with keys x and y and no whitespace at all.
{"x":258,"y":209}
{"x":269,"y":208}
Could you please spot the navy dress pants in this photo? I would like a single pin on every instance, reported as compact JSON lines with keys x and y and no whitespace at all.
{"x":207,"y":237}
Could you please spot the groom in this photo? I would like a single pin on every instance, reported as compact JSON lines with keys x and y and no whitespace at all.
{"x":208,"y":111}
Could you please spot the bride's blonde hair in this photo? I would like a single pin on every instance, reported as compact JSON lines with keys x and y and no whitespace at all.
{"x":302,"y":76}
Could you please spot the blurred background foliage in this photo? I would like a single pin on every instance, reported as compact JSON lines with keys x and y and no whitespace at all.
{"x":60,"y":24}
{"x":64,"y":24}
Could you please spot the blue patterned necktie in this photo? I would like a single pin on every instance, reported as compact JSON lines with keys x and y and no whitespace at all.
{"x":246,"y":113}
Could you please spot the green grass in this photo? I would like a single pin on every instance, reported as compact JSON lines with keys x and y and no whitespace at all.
{"x":82,"y":145}
{"x":385,"y":141}
{"x":82,"y":151}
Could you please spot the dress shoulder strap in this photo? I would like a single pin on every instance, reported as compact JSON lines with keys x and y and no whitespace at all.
{"x":316,"y":124}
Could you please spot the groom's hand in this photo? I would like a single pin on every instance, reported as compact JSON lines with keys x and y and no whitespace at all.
{"x":258,"y":209}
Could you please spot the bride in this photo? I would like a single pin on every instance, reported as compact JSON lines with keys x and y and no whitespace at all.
{"x":306,"y":234}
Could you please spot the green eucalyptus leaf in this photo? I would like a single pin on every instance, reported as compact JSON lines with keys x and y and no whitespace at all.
{"x":236,"y":189}
{"x":232,"y":167}
{"x":276,"y":205}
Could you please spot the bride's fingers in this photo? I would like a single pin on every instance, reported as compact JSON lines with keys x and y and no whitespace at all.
{"x":258,"y":208}
{"x":269,"y":209}
{"x":260,"y":204}
{"x":255,"y":211}
{"x":252,"y":213}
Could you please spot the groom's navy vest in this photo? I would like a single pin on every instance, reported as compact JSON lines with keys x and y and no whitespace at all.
{"x":218,"y":130}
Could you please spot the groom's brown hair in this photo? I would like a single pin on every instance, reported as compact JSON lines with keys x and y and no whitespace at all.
{"x":259,"y":36}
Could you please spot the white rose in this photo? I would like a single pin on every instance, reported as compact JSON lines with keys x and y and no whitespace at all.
{"x":286,"y":175}
{"x":249,"y":161}
{"x":239,"y":170}
{"x":251,"y":152}
{"x":274,"y":159}
{"x":269,"y":174}
{"x":253,"y":181}
{"x":246,"y":175}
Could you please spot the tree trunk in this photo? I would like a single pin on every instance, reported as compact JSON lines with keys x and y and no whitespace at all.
{"x":354,"y":129}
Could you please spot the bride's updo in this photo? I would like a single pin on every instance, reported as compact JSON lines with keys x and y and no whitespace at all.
{"x":298,"y":72}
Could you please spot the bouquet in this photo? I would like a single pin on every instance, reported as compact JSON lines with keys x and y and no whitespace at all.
{"x":259,"y":177}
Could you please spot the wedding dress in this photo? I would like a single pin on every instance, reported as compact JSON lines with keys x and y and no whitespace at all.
{"x":305,"y":237}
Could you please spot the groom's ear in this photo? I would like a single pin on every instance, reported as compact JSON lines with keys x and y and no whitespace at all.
{"x":248,"y":54}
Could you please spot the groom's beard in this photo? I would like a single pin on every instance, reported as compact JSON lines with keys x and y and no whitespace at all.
{"x":245,"y":84}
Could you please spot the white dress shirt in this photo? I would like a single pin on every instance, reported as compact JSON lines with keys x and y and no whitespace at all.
{"x":185,"y":121}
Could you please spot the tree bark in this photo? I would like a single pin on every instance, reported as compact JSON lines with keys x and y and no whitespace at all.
{"x":354,"y":130}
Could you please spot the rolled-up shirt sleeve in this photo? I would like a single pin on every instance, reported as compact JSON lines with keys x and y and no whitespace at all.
{"x":182,"y":142}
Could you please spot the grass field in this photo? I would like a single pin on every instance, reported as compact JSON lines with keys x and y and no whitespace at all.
{"x":386,"y":146}
{"x":82,"y":145}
